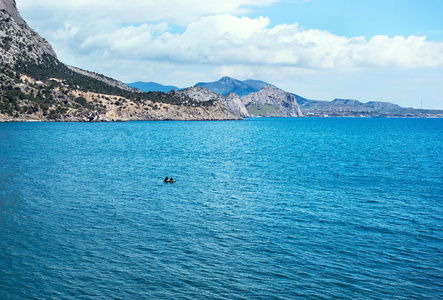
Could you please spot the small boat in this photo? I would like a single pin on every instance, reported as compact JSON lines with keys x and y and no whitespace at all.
{"x":169,"y":180}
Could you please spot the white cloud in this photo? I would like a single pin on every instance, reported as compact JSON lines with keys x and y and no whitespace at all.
{"x":230,"y":40}
{"x":411,"y":52}
{"x":212,"y":35}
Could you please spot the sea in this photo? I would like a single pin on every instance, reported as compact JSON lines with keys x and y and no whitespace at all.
{"x":265,"y":208}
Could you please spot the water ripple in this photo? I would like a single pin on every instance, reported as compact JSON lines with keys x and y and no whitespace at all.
{"x":262,"y":209}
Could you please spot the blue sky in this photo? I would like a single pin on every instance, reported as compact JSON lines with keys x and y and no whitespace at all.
{"x":359,"y":17}
{"x":385,"y":50}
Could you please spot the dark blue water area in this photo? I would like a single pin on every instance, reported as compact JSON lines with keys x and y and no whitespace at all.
{"x":261,"y":209}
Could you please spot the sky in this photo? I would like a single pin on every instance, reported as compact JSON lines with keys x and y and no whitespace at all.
{"x":368,"y":50}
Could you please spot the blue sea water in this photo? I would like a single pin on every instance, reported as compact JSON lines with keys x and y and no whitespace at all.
{"x":261,"y":209}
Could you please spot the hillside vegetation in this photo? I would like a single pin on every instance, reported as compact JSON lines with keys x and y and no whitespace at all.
{"x":35,"y":85}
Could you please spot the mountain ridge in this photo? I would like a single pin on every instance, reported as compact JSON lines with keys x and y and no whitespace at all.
{"x":152,"y":86}
{"x":335,"y":108}
{"x":227,"y":85}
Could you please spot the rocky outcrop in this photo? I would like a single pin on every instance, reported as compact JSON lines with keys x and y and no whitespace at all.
{"x":197,"y":93}
{"x":232,"y":102}
{"x":272,"y":102}
{"x":234,"y":105}
{"x":18,"y":42}
{"x":11,"y":8}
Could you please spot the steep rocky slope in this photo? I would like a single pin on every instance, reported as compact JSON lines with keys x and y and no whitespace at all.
{"x":18,"y":42}
{"x":11,"y":8}
{"x":272,"y":102}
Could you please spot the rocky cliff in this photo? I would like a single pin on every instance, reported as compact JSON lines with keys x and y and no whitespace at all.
{"x":232,"y":102}
{"x":272,"y":102}
{"x":18,"y":42}
{"x":11,"y":8}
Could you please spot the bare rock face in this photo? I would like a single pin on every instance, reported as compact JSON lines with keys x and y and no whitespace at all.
{"x":197,"y":93}
{"x":17,"y":40}
{"x":232,"y":102}
{"x":272,"y":102}
{"x":234,"y":105}
{"x":11,"y":8}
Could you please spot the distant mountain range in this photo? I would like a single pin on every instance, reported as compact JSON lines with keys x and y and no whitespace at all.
{"x":152,"y":87}
{"x":224,"y":86}
{"x":309,"y":107}
{"x":246,"y":98}
{"x":227,"y":85}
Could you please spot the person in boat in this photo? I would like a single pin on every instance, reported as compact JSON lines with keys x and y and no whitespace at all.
{"x":171,"y":179}
{"x":166,"y":179}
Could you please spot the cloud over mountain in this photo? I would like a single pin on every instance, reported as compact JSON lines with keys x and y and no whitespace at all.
{"x":182,"y":42}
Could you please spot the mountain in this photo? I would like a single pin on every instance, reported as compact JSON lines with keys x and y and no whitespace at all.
{"x":18,"y":43}
{"x":35,"y":85}
{"x":265,"y":103}
{"x":272,"y":102}
{"x":347,"y":102}
{"x":227,"y":85}
{"x":378,"y":105}
{"x":355,"y":108}
{"x":232,"y":102}
{"x":152,"y":86}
